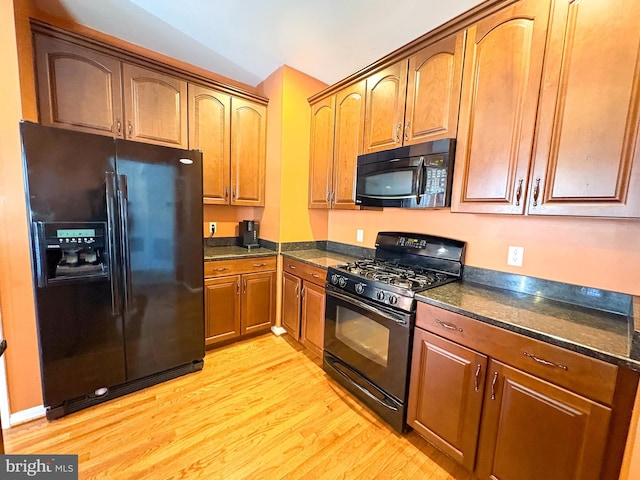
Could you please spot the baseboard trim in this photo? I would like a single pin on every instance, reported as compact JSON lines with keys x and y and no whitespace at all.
{"x":26,"y":415}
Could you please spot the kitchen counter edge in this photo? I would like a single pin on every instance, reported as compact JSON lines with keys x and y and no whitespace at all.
{"x":609,"y":357}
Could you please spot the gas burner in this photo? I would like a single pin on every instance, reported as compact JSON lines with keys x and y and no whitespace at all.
{"x":403,"y":282}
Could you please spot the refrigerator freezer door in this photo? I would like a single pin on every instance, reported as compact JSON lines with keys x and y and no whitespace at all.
{"x":80,"y":338}
{"x":160,"y":200}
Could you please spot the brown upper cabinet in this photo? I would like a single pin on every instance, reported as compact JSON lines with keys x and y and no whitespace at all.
{"x":248,"y":152}
{"x":416,"y":99}
{"x":433,"y":91}
{"x":231,"y":134}
{"x":502,"y":71}
{"x":321,"y":152}
{"x":155,"y":107}
{"x":81,"y":89}
{"x":587,"y":155}
{"x":210,"y":131}
{"x":336,"y":142}
{"x":386,"y":92}
{"x":67,"y":73}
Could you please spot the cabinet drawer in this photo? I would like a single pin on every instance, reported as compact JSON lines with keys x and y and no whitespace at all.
{"x":305,"y":271}
{"x":221,"y":268}
{"x":585,"y":375}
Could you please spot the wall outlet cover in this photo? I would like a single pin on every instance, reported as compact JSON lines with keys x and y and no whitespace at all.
{"x":515,"y":256}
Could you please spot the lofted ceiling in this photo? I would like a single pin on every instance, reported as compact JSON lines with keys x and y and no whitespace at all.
{"x":247,"y":40}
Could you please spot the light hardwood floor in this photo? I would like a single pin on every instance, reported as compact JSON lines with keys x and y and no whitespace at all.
{"x":260,"y":409}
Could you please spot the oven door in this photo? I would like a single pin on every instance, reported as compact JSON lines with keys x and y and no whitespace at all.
{"x":373,"y":341}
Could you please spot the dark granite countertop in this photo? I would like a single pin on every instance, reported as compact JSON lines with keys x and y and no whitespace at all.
{"x":596,"y":333}
{"x":232,"y":252}
{"x":319,"y":258}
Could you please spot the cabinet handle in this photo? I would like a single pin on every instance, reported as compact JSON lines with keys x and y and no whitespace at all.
{"x":119,"y":126}
{"x":545,"y":362}
{"x":493,"y":385}
{"x":315,"y":275}
{"x":333,"y":196}
{"x":259,"y":265}
{"x":476,"y":381}
{"x":245,"y":286}
{"x":536,"y":192}
{"x":226,"y":193}
{"x":407,"y":128}
{"x":220,"y":269}
{"x":233,"y":193}
{"x":448,"y":326}
{"x":292,"y":267}
{"x":302,"y":295}
{"x":129,"y":128}
{"x":237,"y":287}
{"x":328,"y":196}
{"x":297,"y":288}
{"x":519,"y":192}
{"x":398,"y":130}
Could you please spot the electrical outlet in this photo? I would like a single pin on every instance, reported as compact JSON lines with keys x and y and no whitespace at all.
{"x":359,"y":235}
{"x":515,"y":256}
{"x":212,"y":227}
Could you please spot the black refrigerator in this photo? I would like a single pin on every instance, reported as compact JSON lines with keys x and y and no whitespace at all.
{"x":116,"y":232}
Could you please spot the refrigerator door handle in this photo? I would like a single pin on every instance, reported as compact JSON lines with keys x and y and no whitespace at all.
{"x":116,"y":297}
{"x":123,"y":202}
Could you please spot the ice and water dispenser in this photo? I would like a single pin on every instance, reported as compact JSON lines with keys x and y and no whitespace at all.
{"x":70,"y":251}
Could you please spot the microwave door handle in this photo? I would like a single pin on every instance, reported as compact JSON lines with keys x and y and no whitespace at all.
{"x":419,"y":186}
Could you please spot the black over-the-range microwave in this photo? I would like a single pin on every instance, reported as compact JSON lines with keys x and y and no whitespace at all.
{"x":415,"y":176}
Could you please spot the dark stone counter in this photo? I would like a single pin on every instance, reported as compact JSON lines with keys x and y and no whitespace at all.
{"x":594,"y":332}
{"x":318,"y":258}
{"x":231,"y":252}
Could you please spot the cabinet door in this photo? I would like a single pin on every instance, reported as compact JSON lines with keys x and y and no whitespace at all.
{"x":347,"y":144}
{"x":501,"y":81}
{"x":209,"y":131}
{"x":321,"y":153}
{"x":248,"y":154}
{"x":258,"y":301}
{"x":78,"y":88}
{"x":587,"y":158}
{"x":222,"y":309}
{"x":433,"y":91}
{"x":155,"y":107}
{"x":445,"y":395}
{"x":532,"y":429}
{"x":291,"y":288}
{"x":386,"y":92}
{"x":313,"y":318}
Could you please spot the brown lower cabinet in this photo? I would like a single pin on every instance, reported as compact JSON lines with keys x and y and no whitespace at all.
{"x":239,"y":298}
{"x":512,"y":408}
{"x":303,"y":303}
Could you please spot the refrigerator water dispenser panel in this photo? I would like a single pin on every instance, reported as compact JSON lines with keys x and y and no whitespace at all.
{"x":70,"y":251}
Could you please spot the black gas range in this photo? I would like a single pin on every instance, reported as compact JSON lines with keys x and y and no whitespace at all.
{"x":404,"y":265}
{"x":370,"y":314}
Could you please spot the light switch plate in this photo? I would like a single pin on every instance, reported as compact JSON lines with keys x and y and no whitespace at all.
{"x":359,"y":235}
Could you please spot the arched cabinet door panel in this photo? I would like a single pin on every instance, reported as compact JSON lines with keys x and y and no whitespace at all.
{"x":501,"y":82}
{"x":78,"y":88}
{"x":155,"y":107}
{"x":587,"y":157}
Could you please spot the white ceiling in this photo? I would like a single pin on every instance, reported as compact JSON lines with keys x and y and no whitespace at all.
{"x":247,"y":40}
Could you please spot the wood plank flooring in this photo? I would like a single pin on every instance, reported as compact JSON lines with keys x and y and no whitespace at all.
{"x":260,"y":409}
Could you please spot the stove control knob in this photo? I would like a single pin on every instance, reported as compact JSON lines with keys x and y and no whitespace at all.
{"x":380,"y":295}
{"x":393,"y":299}
{"x":342,"y":282}
{"x":360,"y":288}
{"x":334,"y":278}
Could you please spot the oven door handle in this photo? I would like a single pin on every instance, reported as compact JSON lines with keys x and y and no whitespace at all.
{"x":390,"y":406}
{"x":394,"y":316}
